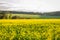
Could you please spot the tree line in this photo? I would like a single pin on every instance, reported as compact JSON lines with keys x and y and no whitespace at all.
{"x":8,"y":14}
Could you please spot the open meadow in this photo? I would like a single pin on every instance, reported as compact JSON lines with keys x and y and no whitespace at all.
{"x":29,"y":29}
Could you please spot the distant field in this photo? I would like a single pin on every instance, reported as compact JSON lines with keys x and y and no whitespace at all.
{"x":30,"y":29}
{"x":33,"y":16}
{"x":27,"y":15}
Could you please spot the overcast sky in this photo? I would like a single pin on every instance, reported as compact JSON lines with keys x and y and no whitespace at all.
{"x":30,"y":5}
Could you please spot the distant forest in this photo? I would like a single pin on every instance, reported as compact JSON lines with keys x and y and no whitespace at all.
{"x":9,"y":14}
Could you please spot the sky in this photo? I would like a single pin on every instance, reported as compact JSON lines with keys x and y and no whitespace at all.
{"x":30,"y":5}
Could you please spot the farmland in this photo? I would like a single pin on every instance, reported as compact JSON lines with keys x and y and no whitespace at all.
{"x":29,"y":29}
{"x":29,"y":15}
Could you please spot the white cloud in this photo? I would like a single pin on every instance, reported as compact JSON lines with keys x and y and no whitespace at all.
{"x":32,"y":5}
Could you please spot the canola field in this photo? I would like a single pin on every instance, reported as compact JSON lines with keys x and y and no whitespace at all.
{"x":30,"y":29}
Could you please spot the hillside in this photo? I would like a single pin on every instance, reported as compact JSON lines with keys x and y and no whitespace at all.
{"x":56,"y":13}
{"x":29,"y":15}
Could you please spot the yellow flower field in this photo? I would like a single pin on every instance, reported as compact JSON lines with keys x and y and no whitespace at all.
{"x":30,"y":29}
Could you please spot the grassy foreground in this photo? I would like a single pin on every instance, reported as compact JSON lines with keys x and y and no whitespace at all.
{"x":30,"y":29}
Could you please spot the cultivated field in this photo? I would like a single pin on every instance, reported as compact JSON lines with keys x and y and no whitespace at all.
{"x":30,"y":29}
